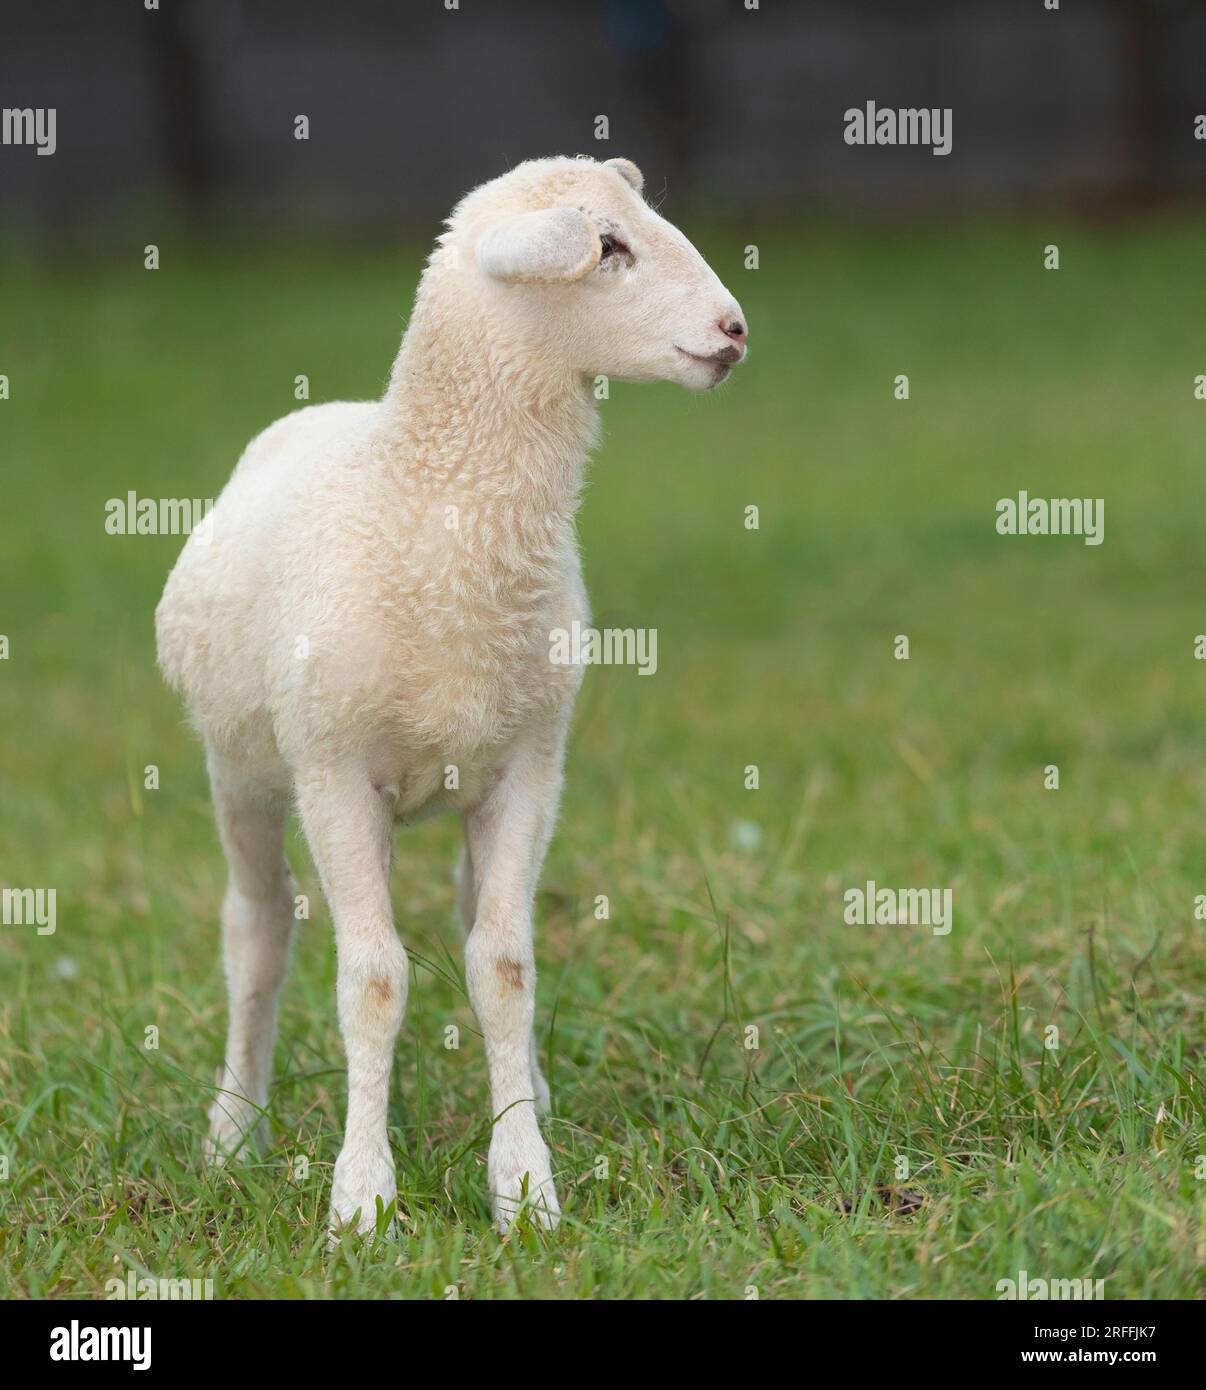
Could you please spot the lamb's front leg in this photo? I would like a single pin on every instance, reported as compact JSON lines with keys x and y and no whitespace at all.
{"x":350,"y":830}
{"x":507,"y":835}
{"x":466,"y":909}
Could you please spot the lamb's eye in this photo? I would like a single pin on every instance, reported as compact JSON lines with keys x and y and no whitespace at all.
{"x":612,"y":246}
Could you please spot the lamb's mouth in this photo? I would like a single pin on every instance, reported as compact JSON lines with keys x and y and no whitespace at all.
{"x":720,"y":367}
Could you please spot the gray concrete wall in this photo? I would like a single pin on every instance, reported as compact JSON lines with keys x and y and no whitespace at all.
{"x":410,"y":103}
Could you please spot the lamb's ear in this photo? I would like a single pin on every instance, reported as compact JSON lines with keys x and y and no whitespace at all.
{"x":550,"y":246}
{"x":628,"y":171}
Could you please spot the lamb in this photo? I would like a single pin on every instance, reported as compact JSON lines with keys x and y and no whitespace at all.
{"x":364,"y":631}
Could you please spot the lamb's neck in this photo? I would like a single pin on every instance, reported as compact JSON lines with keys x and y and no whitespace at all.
{"x":502,"y":429}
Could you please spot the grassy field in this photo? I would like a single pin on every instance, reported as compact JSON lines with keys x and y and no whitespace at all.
{"x":690,"y":1164}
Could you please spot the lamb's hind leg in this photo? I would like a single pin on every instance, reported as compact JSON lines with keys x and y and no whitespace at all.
{"x":257,"y":928}
{"x":350,"y":830}
{"x":466,"y":909}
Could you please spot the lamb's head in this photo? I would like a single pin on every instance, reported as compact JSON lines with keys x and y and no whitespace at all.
{"x":568,"y":260}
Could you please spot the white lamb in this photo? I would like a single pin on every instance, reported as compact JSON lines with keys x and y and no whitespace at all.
{"x":366,"y":632}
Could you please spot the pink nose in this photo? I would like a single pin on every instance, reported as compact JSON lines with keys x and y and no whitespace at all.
{"x":733,"y":328}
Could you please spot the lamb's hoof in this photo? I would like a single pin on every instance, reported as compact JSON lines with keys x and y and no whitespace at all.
{"x":523,"y":1190}
{"x":361,"y":1177}
{"x":234,"y":1130}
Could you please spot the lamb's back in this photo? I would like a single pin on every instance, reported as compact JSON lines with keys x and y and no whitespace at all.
{"x":221,"y":612}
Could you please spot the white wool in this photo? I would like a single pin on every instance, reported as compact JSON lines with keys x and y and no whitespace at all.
{"x":373,"y":606}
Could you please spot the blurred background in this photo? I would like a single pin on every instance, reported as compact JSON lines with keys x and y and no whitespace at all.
{"x":411,"y":103}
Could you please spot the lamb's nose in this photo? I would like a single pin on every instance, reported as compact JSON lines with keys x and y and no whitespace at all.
{"x":733,"y":328}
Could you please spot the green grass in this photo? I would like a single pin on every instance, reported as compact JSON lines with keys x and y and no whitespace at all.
{"x":690,"y":1165}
